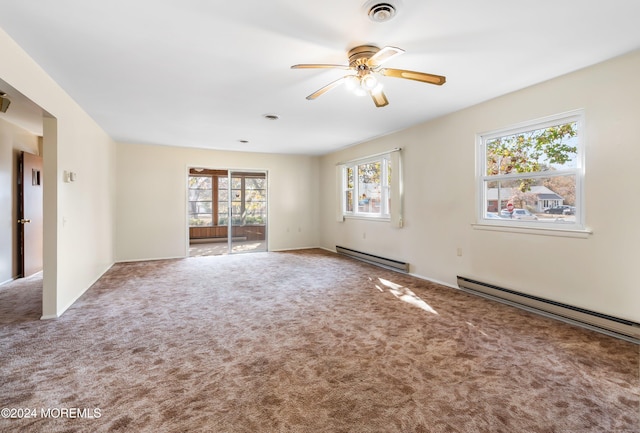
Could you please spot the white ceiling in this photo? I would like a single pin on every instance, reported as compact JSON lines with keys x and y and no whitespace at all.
{"x":203,"y":73}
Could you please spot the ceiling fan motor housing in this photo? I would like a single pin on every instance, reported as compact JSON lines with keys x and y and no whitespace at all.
{"x":361,"y":54}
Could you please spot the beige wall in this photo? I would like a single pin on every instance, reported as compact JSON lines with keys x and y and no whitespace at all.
{"x":13,"y":140}
{"x":150,"y":194}
{"x":152,"y":198}
{"x":79,"y":217}
{"x":594,"y":273}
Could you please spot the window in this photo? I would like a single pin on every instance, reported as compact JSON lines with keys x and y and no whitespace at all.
{"x":200,"y":201}
{"x":531,"y":175}
{"x":367,"y":187}
{"x":223,"y":200}
{"x":209,"y":198}
{"x":248,"y":199}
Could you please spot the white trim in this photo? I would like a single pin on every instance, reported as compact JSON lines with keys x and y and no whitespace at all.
{"x":60,"y":312}
{"x":340,"y":191}
{"x":10,"y":280}
{"x":567,"y":229}
{"x":366,"y":217}
{"x":152,"y":259}
{"x":366,"y":158}
{"x":544,"y":231}
{"x":539,"y":123}
{"x":396,"y":189}
{"x":294,"y":249}
{"x":393,"y":213}
{"x":432,"y":280}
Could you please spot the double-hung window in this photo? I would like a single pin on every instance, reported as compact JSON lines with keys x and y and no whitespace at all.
{"x":531,"y":175}
{"x":366,"y":186}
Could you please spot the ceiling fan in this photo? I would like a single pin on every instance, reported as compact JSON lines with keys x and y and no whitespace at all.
{"x":365,"y":63}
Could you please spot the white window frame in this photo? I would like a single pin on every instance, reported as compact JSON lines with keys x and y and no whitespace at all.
{"x":560,"y":228}
{"x":385,"y":188}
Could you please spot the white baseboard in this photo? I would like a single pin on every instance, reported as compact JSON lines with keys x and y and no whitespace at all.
{"x":10,"y":280}
{"x":442,"y":283}
{"x":152,"y":259}
{"x":61,"y":311}
{"x":293,"y":249}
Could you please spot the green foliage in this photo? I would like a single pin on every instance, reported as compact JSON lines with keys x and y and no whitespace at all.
{"x":370,"y":172}
{"x":531,"y":152}
{"x":197,"y":222}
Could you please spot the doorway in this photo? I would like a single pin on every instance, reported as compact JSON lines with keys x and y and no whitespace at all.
{"x":30,"y":214}
{"x":23,"y":128}
{"x":227,"y":211}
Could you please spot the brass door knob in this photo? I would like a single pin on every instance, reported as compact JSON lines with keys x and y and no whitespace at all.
{"x":24,"y":221}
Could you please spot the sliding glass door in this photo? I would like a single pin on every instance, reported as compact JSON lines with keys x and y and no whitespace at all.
{"x":248,"y":206}
{"x":227,"y":211}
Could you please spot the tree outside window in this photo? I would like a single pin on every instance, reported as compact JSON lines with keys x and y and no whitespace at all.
{"x":367,"y":187}
{"x":536,"y":170}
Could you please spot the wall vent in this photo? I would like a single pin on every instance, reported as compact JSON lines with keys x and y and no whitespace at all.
{"x":620,"y":328}
{"x":394,"y":265}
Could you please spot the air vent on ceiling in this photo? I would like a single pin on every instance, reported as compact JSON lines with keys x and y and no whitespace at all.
{"x":381,"y":11}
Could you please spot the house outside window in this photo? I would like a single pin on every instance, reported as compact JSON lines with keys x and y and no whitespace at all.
{"x":532,"y":174}
{"x":366,"y":188}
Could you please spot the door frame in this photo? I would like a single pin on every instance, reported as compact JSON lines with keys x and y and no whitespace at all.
{"x":34,"y":231}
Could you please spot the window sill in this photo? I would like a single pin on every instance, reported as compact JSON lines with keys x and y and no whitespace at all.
{"x":542,"y":231}
{"x":366,"y":218}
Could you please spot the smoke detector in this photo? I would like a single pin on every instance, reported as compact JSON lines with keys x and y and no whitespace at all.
{"x":380,"y":11}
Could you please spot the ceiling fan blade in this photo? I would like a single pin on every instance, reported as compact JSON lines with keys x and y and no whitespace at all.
{"x":384,"y":55}
{"x":320,"y":66}
{"x":379,"y":98}
{"x":328,"y":87}
{"x":412,"y":75}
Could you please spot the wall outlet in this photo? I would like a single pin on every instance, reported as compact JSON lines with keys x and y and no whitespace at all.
{"x":459,"y":252}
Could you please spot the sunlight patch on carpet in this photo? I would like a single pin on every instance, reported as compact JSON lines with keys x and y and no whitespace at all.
{"x":405,"y":294}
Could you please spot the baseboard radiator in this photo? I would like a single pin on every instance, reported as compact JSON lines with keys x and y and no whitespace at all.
{"x":395,"y":265}
{"x":609,"y":325}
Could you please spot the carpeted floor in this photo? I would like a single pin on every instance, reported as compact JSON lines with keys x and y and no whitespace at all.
{"x":304,"y":341}
{"x":199,"y":249}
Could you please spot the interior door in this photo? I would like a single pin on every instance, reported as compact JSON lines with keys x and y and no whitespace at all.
{"x":30,"y":213}
{"x":248,"y":207}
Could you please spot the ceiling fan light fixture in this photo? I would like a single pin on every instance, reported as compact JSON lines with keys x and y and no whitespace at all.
{"x":369,"y":82}
{"x":365,"y":64}
{"x":351,"y":83}
{"x":359,"y":91}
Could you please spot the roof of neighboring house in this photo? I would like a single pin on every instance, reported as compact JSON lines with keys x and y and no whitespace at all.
{"x":552,"y":196}
{"x":542,"y":192}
